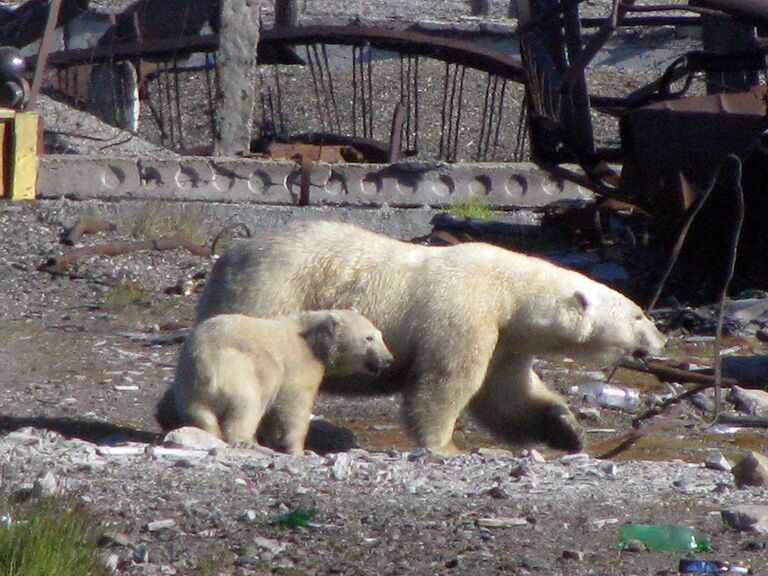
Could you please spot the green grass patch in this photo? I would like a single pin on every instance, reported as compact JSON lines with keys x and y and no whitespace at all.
{"x":127,"y":295}
{"x":159,"y":219}
{"x":472,"y":208}
{"x":47,"y":537}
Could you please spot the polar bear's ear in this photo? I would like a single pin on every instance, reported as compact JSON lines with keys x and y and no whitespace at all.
{"x":581,"y":300}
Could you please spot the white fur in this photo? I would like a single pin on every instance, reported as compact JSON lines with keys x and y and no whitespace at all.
{"x":236,"y":372}
{"x":463,"y":322}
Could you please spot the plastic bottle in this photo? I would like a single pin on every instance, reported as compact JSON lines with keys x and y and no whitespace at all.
{"x":695,"y":566}
{"x":664,"y":537}
{"x":607,"y":395}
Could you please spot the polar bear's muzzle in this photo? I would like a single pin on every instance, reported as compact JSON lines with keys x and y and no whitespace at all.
{"x":375,"y":363}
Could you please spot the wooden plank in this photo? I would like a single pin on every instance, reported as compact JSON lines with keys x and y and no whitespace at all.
{"x":24,"y":159}
{"x":5,"y":156}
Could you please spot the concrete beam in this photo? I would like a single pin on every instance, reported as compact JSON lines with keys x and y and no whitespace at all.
{"x":246,"y":180}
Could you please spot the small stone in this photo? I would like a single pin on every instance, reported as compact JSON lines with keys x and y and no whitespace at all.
{"x":498,"y":453}
{"x":754,"y":402}
{"x":752,"y":470}
{"x":498,"y":493}
{"x":537,"y":456}
{"x":273,"y":546}
{"x":111,"y":562}
{"x":114,"y":539}
{"x":248,"y":516}
{"x":158,"y":525}
{"x":502,"y":522}
{"x":716,"y":461}
{"x":753,"y":517}
{"x":45,"y":485}
{"x":756,"y":544}
{"x":140,"y":554}
{"x":191,"y":437}
{"x":577,"y":555}
{"x":634,"y":546}
{"x":342,"y":466}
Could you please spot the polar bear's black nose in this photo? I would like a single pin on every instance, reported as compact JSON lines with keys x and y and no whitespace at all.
{"x":376,"y":363}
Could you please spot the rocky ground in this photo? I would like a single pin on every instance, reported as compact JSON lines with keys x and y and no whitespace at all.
{"x":81,"y":369}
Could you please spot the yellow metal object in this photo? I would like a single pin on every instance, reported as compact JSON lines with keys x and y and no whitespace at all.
{"x":19,"y":138}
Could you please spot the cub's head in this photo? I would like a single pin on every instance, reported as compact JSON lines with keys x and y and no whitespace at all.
{"x":346,"y":341}
{"x":611,"y":326}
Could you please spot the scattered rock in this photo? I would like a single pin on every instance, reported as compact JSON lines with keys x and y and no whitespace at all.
{"x":754,"y":402}
{"x":191,"y":437}
{"x":502,"y":522}
{"x":752,"y":517}
{"x":634,"y":546}
{"x":114,"y":539}
{"x":140,"y":554}
{"x":716,"y":461}
{"x":577,"y":555}
{"x":272,"y":546}
{"x":158,"y":525}
{"x":45,"y":485}
{"x":752,"y":470}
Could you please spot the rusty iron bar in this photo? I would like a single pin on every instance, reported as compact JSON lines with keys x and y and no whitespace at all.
{"x":751,"y":9}
{"x":678,"y":246}
{"x":279,"y":95}
{"x":416,"y":103}
{"x":576,"y":70}
{"x":316,"y":87}
{"x":646,"y":21}
{"x":412,"y":43}
{"x":86,"y":226}
{"x":331,"y":88}
{"x":521,"y":129}
{"x":500,"y":113}
{"x":59,"y":265}
{"x":354,"y":91}
{"x":42,"y":55}
{"x":733,"y":166}
{"x":479,"y":156}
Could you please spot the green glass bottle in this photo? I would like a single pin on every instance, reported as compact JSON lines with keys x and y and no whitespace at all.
{"x":664,"y":537}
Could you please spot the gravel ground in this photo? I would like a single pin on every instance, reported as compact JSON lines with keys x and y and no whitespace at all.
{"x":81,"y":381}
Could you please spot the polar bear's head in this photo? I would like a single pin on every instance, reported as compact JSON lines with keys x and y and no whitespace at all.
{"x":609,"y":326}
{"x":346,"y":341}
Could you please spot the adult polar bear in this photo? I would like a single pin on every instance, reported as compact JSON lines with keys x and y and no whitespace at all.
{"x":464,"y":322}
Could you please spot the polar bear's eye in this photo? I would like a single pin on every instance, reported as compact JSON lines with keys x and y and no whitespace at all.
{"x":369,"y":338}
{"x":639,"y":317}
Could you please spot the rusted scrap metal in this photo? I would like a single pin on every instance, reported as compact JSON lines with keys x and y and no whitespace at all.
{"x":698,"y":132}
{"x":156,"y":19}
{"x":667,"y":373}
{"x":42,"y":55}
{"x":753,"y":11}
{"x":628,"y":440}
{"x":59,"y":265}
{"x":273,"y":41}
{"x":26,"y":23}
{"x":86,"y":226}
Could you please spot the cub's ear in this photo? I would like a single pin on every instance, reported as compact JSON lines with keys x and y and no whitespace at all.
{"x":322,"y":336}
{"x":581,"y":300}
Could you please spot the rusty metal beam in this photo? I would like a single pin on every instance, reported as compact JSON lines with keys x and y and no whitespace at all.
{"x":755,"y":11}
{"x":272,"y":41}
{"x":404,"y":42}
{"x":45,"y":47}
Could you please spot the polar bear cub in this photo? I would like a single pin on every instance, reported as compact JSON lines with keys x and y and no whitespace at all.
{"x":236,"y":372}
